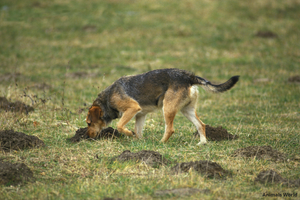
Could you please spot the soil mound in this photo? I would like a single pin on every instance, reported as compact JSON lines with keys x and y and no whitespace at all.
{"x":260,"y":152}
{"x":14,"y":174}
{"x":105,"y":133}
{"x":294,"y":79}
{"x":11,"y":140}
{"x":207,"y":168}
{"x":270,"y":176}
{"x":151,"y":158}
{"x":180,"y":192}
{"x":79,"y":135}
{"x":16,"y":106}
{"x":217,"y":134}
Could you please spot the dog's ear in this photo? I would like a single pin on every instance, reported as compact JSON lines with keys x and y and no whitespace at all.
{"x":95,"y":113}
{"x":88,"y":118}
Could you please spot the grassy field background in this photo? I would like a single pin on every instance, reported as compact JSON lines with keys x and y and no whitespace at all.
{"x":62,"y":53}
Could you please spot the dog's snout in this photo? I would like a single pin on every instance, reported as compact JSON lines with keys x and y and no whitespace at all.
{"x":91,"y":133}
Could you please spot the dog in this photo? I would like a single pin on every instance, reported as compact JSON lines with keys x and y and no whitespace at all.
{"x":172,"y":90}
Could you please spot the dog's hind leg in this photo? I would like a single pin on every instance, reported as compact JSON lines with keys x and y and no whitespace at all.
{"x":170,"y":107}
{"x":169,"y":115}
{"x":139,"y":123}
{"x":190,"y":113}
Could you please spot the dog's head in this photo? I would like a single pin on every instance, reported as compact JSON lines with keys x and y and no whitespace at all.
{"x":95,"y":121}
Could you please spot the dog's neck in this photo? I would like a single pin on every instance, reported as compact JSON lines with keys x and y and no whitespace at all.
{"x":110,"y":113}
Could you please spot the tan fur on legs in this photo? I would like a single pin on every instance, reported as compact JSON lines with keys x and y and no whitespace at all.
{"x":202,"y":141}
{"x":190,"y":114}
{"x":169,"y":128}
{"x":171,"y":103}
{"x":130,"y":108}
{"x":189,"y":111}
{"x":126,"y":117}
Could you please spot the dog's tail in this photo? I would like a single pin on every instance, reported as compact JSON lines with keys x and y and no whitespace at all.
{"x":207,"y":85}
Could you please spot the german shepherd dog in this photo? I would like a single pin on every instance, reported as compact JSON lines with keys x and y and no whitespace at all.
{"x":172,"y":90}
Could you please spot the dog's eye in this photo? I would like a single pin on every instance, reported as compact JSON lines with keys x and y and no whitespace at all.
{"x":89,"y":124}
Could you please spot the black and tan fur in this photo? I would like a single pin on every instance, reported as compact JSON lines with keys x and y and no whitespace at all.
{"x":172,"y":90}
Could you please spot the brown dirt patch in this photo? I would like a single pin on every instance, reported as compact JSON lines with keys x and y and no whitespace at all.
{"x":105,"y":133}
{"x":151,"y":158}
{"x":11,"y":140}
{"x":217,"y":134}
{"x":207,"y":168}
{"x":260,"y":152}
{"x":266,"y":34}
{"x":180,"y":192}
{"x":16,"y":106}
{"x":14,"y":174}
{"x":270,"y":176}
{"x":294,"y":79}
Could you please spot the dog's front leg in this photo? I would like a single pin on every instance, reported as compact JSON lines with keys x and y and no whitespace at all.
{"x":139,"y":123}
{"x":126,"y":117}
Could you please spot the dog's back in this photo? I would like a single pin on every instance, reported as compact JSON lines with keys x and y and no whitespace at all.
{"x":148,"y":88}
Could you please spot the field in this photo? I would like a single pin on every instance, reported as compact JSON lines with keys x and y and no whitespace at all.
{"x":56,"y":56}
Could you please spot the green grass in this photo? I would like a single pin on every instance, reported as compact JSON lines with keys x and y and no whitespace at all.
{"x":48,"y":41}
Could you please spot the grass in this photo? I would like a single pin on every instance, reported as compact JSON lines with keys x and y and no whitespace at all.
{"x":50,"y":41}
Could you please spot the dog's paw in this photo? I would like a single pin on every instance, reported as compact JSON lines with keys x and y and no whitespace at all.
{"x":127,"y":132}
{"x":202,"y":143}
{"x":133,"y":134}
